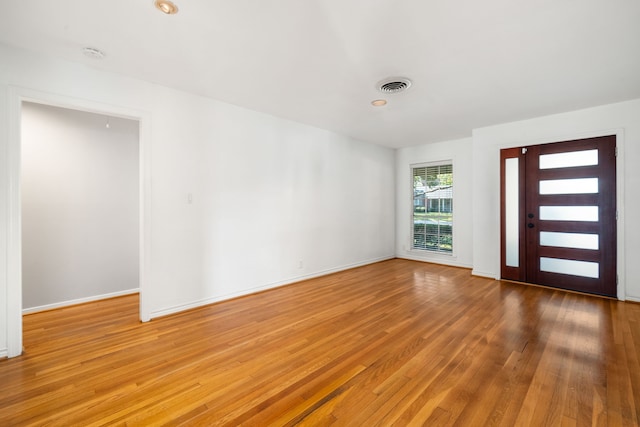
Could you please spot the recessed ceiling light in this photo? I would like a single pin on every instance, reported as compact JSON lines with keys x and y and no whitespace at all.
{"x":92,"y":52}
{"x":379,"y":102}
{"x":166,"y":7}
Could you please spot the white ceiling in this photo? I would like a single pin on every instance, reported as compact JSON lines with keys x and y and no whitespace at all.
{"x":473,"y":63}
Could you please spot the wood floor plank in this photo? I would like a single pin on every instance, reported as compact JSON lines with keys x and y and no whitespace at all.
{"x":393,"y":343}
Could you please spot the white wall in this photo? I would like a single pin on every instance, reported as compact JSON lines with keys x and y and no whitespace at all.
{"x":272,"y":201}
{"x":622,"y":119}
{"x":459,"y":151}
{"x":80,"y":191}
{"x":269,"y":195}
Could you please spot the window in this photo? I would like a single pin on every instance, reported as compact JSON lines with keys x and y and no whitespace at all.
{"x":433,"y":207}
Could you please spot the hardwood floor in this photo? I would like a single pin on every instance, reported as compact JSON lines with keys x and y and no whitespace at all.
{"x":394,"y":343}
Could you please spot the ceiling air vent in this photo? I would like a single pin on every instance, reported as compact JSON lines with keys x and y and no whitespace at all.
{"x":394,"y":85}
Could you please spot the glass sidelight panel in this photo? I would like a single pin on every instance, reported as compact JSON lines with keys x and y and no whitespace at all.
{"x":569,"y":266}
{"x":512,"y":214}
{"x":569,"y":186}
{"x":569,"y":160}
{"x":569,"y":240}
{"x":569,"y":213}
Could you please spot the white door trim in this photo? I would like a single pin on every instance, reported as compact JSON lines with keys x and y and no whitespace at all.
{"x":17,"y":95}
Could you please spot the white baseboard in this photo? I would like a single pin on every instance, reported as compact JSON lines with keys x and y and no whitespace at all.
{"x":207,"y":301}
{"x":4,"y":353}
{"x":442,"y":261}
{"x":633,"y":299}
{"x":78,"y":301}
{"x":484,"y":274}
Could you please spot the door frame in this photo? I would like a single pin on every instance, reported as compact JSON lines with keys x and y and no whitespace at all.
{"x":18,"y":95}
{"x":529,"y":198}
{"x":620,"y":185}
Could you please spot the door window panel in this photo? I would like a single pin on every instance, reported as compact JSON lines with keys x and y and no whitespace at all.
{"x":570,"y":240}
{"x":571,"y":267}
{"x":569,"y":160}
{"x":569,"y":213}
{"x":569,"y":186}
{"x":512,"y":214}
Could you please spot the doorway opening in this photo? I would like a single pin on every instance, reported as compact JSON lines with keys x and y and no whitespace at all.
{"x":79,"y":206}
{"x":18,"y":96}
{"x":558,"y":215}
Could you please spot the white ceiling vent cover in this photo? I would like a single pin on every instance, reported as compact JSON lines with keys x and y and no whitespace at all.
{"x":394,"y":85}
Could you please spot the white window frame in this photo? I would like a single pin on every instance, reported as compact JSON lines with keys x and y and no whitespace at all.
{"x":429,"y":252}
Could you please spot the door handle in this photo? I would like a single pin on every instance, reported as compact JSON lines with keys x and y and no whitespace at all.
{"x":530,"y":225}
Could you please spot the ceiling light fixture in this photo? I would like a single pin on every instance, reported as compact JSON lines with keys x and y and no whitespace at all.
{"x":166,"y":6}
{"x":379,"y":102}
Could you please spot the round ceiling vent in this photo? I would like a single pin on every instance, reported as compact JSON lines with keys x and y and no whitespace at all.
{"x":394,"y":85}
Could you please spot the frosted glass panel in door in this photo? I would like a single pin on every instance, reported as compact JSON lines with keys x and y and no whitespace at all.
{"x":569,"y":240}
{"x":512,"y":215}
{"x":569,"y":213}
{"x":569,"y":160}
{"x":569,"y":186}
{"x":569,"y":266}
